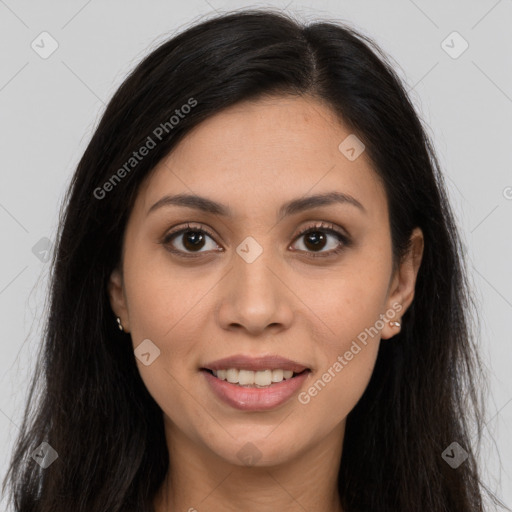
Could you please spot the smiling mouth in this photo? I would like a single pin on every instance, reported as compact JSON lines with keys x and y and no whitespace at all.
{"x":254,"y":379}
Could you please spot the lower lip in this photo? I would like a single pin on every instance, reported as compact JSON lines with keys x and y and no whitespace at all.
{"x":255,"y":399}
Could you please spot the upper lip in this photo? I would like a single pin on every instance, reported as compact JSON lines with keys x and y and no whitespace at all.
{"x":268,"y":362}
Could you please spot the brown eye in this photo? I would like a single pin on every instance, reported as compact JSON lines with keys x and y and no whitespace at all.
{"x":189,"y":240}
{"x":193,"y":240}
{"x":316,"y":238}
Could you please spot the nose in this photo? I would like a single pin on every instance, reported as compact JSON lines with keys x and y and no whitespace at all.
{"x":255,"y":297}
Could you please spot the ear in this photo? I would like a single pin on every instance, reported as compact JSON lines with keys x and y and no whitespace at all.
{"x":117,"y":296}
{"x":403,"y":283}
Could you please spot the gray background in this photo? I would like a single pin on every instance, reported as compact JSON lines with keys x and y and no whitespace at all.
{"x":50,"y":107}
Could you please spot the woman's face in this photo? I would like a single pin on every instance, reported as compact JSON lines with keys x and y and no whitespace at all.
{"x":249,"y":286}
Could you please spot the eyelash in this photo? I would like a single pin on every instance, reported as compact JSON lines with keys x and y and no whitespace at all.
{"x":321,"y":226}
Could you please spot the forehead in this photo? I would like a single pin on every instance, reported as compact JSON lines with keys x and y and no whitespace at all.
{"x":264,"y":152}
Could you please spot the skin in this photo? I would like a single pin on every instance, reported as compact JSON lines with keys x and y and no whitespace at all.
{"x":253,"y":157}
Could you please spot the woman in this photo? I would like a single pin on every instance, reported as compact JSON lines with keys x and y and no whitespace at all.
{"x":259,"y":299}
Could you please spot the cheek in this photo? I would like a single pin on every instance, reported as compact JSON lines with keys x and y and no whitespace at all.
{"x":347,"y":363}
{"x":345,"y":304}
{"x":346,"y":311}
{"x":166,"y":307}
{"x":162,"y":298}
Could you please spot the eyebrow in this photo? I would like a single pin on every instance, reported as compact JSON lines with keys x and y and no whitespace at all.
{"x":290,"y":208}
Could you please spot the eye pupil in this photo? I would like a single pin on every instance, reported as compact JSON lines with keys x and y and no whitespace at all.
{"x":317,"y":238}
{"x":195,"y":237}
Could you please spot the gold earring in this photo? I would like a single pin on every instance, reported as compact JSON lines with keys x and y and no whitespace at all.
{"x":119,"y":324}
{"x":395,"y":324}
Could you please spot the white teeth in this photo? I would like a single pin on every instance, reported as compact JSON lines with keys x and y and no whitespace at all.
{"x":232,"y":375}
{"x":261,"y":378}
{"x":245,"y":377}
{"x":277,"y":375}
